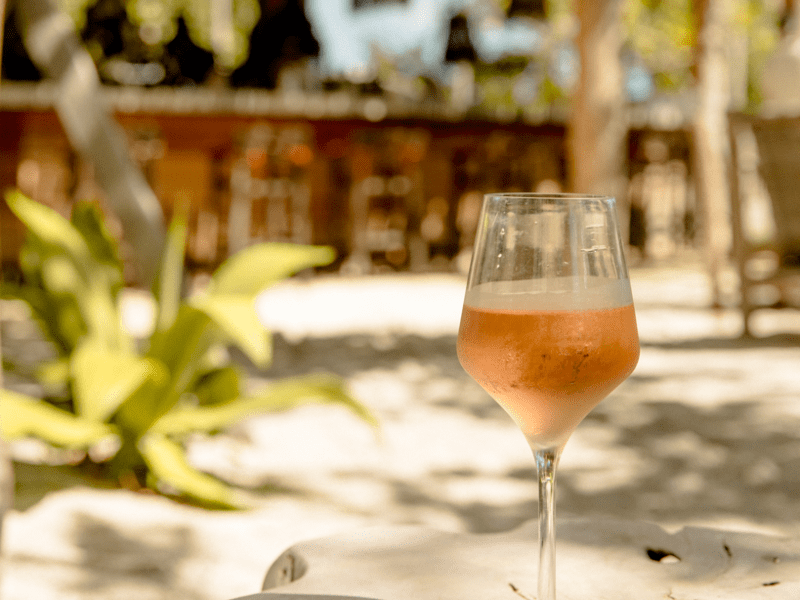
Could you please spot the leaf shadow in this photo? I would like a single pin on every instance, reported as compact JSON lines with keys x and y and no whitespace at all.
{"x":111,"y":558}
{"x":684,"y":462}
{"x":32,"y":482}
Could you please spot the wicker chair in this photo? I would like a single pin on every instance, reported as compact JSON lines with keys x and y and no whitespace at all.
{"x":765,"y":161}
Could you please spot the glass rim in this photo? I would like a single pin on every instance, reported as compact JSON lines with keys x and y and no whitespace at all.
{"x":555,"y":195}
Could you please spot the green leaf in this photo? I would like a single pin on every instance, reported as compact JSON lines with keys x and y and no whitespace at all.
{"x":59,"y":317}
{"x":280,"y":396}
{"x":185,"y":346}
{"x":65,"y":324}
{"x":103,"y":378}
{"x":22,"y":416}
{"x":183,"y":349}
{"x":59,"y":260}
{"x":87,"y":218}
{"x":143,"y":408}
{"x":167,"y":462}
{"x":176,"y":344}
{"x":236,"y":316}
{"x":49,"y":226}
{"x":218,"y":386}
{"x":53,"y":374}
{"x":170,"y":278}
{"x":257,"y":267}
{"x":60,"y":277}
{"x":101,"y":313}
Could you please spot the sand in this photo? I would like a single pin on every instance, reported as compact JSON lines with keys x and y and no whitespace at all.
{"x":704,"y":432}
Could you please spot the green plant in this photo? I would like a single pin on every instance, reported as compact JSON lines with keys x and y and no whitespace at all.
{"x":149,"y":396}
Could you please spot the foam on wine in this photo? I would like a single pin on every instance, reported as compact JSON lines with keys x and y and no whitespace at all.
{"x":561,"y":293}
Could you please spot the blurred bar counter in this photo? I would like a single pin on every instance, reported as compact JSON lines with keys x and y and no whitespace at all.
{"x":391,"y":184}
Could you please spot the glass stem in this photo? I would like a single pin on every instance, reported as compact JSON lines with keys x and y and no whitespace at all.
{"x":546,"y":463}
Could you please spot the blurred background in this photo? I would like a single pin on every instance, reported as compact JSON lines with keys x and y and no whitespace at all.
{"x":374,"y":127}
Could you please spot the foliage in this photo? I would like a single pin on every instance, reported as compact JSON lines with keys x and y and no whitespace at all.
{"x":663,"y":34}
{"x":149,"y":399}
{"x":157,"y":21}
{"x":759,"y":21}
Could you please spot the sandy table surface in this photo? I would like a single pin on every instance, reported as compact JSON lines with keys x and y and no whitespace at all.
{"x":704,"y":432}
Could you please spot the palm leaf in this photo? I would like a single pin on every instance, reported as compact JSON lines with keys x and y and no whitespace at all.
{"x":218,"y":386}
{"x":280,"y":396}
{"x":182,"y":349}
{"x":236,"y":315}
{"x":50,"y":227}
{"x":257,"y":267}
{"x":103,"y":378}
{"x":22,"y":416}
{"x":87,"y":218}
{"x":170,"y":278}
{"x":168,"y":464}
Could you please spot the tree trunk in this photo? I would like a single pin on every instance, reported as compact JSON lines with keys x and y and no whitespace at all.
{"x":598,"y":126}
{"x":57,"y":50}
{"x":710,"y":139}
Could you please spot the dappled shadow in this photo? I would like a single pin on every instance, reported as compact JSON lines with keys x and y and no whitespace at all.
{"x":347,"y":355}
{"x":646,"y":453}
{"x":697,"y":462}
{"x":662,"y":458}
{"x":33,"y":482}
{"x":476,"y":516}
{"x":113,"y":559}
{"x":683,"y":464}
{"x":783,"y":340}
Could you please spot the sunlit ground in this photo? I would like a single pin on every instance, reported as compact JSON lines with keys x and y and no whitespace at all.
{"x":704,"y":432}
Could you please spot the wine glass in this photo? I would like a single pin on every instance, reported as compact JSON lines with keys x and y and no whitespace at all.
{"x":548,"y":327}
